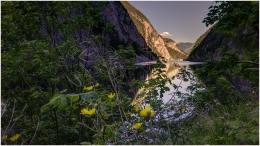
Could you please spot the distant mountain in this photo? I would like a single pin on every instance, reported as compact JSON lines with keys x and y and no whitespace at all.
{"x":163,"y":47}
{"x":186,"y":47}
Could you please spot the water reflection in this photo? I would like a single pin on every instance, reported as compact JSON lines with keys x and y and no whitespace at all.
{"x":171,"y":69}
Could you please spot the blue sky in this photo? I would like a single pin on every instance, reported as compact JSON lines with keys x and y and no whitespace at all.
{"x":180,"y":20}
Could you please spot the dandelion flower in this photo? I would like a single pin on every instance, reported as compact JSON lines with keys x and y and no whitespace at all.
{"x":153,"y":114}
{"x":74,"y":119}
{"x":148,"y":108}
{"x":15,"y":137}
{"x":145,"y":111}
{"x":88,"y":88}
{"x":86,"y":111}
{"x":137,"y":109}
{"x":96,"y":85}
{"x":111,"y":95}
{"x":137,"y":126}
{"x":247,"y":104}
{"x":5,"y":137}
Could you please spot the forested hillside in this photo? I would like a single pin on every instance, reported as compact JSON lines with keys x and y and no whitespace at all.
{"x":230,"y":50}
{"x":56,"y":56}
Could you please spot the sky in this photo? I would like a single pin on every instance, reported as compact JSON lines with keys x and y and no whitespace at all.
{"x":179,"y":20}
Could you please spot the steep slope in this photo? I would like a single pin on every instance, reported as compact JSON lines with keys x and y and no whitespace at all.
{"x":81,"y":31}
{"x":155,"y":41}
{"x":220,"y":47}
{"x":212,"y":45}
{"x":125,"y":30}
{"x":173,"y":49}
{"x":186,"y":47}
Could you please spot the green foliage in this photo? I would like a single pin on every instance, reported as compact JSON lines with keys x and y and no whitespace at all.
{"x":54,"y":94}
{"x":232,"y":15}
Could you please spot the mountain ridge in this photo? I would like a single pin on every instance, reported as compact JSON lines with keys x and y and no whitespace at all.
{"x":154,"y":40}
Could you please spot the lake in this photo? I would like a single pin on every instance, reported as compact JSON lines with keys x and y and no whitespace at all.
{"x":177,"y":90}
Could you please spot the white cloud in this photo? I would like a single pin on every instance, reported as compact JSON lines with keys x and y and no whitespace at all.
{"x":165,"y":34}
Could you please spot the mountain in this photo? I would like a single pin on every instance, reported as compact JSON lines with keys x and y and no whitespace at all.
{"x":238,"y":52}
{"x":186,"y":47}
{"x":164,"y":47}
{"x":77,"y":33}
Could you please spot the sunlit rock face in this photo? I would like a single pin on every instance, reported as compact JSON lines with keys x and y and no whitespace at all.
{"x":155,"y":41}
{"x":174,"y":49}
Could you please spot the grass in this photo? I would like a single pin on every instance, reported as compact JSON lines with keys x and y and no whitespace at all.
{"x":230,"y":125}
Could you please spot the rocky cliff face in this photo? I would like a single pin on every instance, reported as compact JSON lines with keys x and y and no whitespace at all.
{"x":173,"y":49}
{"x":116,"y":14}
{"x":155,"y":41}
{"x":213,"y":45}
{"x":244,"y":42}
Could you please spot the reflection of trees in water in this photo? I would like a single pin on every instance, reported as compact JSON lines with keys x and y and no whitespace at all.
{"x":169,"y":70}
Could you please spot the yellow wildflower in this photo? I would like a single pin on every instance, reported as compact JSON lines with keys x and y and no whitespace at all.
{"x":15,"y":137}
{"x":5,"y":137}
{"x":111,"y":95}
{"x":145,"y":111}
{"x":137,"y":109}
{"x":247,"y":104}
{"x":137,"y":126}
{"x":96,"y":85}
{"x":183,"y":109}
{"x":148,"y":108}
{"x":74,"y":119}
{"x":88,"y":88}
{"x":153,"y":114}
{"x":91,"y":112}
{"x":128,"y":114}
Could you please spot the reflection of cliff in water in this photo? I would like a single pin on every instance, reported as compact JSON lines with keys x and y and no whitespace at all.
{"x":170,"y":70}
{"x":140,"y":73}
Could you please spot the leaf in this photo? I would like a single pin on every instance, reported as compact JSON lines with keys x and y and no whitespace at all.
{"x":241,"y":136}
{"x":45,"y":107}
{"x":254,"y":138}
{"x":111,"y":104}
{"x":85,"y":143}
{"x":61,"y":103}
{"x":54,"y":98}
{"x":73,"y":97}
{"x":88,"y":96}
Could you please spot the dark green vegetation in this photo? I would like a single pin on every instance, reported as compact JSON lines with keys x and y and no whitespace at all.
{"x":228,"y":110}
{"x":65,"y":82}
{"x":50,"y":52}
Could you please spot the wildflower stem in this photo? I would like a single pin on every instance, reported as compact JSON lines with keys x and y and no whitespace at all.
{"x":9,"y":120}
{"x":35,"y":130}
